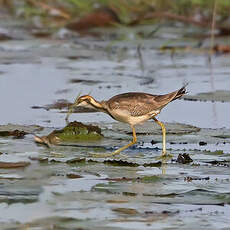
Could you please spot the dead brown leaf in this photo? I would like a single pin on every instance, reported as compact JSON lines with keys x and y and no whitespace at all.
{"x":129,"y":211}
{"x":9,"y":165}
{"x":103,"y":17}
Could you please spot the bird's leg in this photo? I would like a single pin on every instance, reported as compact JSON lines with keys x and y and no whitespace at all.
{"x":117,"y":152}
{"x":163,"y":136}
{"x":163,"y":165}
{"x":128,"y":145}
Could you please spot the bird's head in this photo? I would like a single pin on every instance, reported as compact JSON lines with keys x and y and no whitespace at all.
{"x":86,"y":101}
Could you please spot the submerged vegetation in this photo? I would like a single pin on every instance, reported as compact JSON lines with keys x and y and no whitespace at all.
{"x":73,"y":132}
{"x":128,"y":12}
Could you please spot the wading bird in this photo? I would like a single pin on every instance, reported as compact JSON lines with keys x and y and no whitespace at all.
{"x":132,"y":108}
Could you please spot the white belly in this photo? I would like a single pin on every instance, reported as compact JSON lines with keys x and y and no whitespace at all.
{"x":124,"y":116}
{"x":139,"y":119}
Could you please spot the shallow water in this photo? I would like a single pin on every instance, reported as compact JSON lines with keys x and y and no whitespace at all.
{"x":135,"y":192}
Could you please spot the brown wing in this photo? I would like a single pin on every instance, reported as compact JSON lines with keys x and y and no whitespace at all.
{"x":163,"y":100}
{"x":138,"y":104}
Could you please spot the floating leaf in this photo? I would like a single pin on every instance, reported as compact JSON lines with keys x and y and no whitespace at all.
{"x":73,"y":132}
{"x":8,"y":165}
{"x":73,"y":176}
{"x":128,"y":211}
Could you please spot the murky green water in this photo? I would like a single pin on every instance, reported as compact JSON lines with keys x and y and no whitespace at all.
{"x":63,"y":187}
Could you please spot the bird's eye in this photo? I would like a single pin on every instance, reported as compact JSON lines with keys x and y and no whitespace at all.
{"x":87,"y":100}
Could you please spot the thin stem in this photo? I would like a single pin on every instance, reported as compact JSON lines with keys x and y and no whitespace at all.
{"x":212,"y":39}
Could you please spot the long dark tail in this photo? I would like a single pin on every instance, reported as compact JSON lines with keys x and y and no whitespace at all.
{"x":180,"y":92}
{"x":163,"y":100}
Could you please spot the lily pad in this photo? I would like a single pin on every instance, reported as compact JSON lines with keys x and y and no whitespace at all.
{"x":4,"y":37}
{"x":10,"y":128}
{"x":16,"y":133}
{"x":73,"y":176}
{"x":128,"y":211}
{"x":8,"y":165}
{"x":73,"y":132}
{"x":184,"y":158}
{"x":59,"y":104}
{"x":152,"y":128}
{"x":218,"y":95}
{"x":64,"y":104}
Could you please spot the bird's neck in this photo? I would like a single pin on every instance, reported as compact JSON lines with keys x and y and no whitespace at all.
{"x":97,"y":105}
